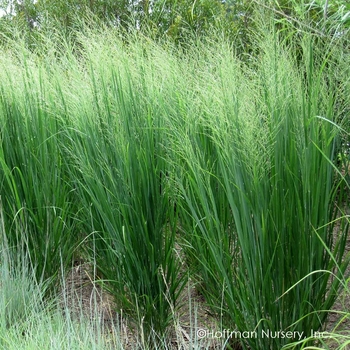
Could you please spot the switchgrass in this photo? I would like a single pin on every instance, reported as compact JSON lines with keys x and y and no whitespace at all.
{"x":263,"y":199}
{"x":121,"y":157}
{"x":35,"y":190}
{"x":139,"y":156}
{"x":338,"y":337}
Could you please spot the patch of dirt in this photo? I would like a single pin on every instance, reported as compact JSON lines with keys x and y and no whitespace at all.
{"x":85,"y":298}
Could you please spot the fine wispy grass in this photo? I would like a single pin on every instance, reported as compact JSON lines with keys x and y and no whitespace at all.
{"x":30,"y":320}
{"x":157,"y":163}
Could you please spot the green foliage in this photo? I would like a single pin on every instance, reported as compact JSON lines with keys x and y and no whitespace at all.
{"x":141,"y":152}
{"x":119,"y":147}
{"x":262,"y":225}
{"x":20,"y":296}
{"x":176,"y":20}
{"x":34,"y":188}
{"x":28,"y":320}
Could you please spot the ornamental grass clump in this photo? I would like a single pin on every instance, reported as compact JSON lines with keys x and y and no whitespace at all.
{"x":119,"y":144}
{"x":38,"y":206}
{"x":156,"y":163}
{"x":264,"y":201}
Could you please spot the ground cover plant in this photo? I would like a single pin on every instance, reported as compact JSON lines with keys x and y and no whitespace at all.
{"x":158,"y":163}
